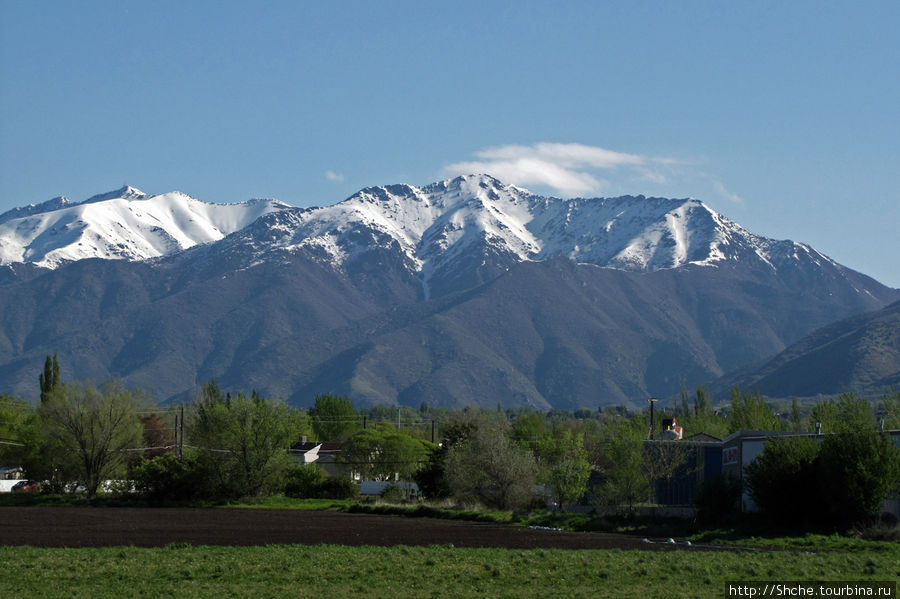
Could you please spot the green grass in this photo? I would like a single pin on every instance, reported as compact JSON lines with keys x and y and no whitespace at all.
{"x":429,"y":511}
{"x":807,"y":541}
{"x":443,"y":571}
{"x":439,"y":571}
{"x":288,"y":503}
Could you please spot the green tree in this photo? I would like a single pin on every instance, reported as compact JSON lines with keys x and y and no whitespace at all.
{"x":840,"y":481}
{"x":431,"y":478}
{"x":529,"y":428}
{"x":891,"y":404}
{"x":702,"y":403}
{"x":15,"y":415}
{"x":334,"y":418}
{"x":169,"y":478}
{"x":662,"y":461}
{"x":783,"y":479}
{"x":565,"y":467}
{"x":243,"y":441}
{"x":859,"y":468}
{"x":702,"y":418}
{"x":848,"y":414}
{"x":750,"y":412}
{"x":383,"y":454}
{"x":488,"y":466}
{"x":624,"y":483}
{"x":49,"y":379}
{"x":88,"y":431}
{"x":796,"y":416}
{"x":684,"y":409}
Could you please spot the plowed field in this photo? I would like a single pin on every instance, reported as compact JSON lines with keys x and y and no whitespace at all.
{"x":142,"y":527}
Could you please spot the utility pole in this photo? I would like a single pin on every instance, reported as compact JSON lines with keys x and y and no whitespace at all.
{"x":652,"y":401}
{"x":181,"y":436}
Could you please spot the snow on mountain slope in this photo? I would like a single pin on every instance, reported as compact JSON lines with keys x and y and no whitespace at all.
{"x":446,"y":227}
{"x":54,"y":204}
{"x":436,"y":224}
{"x":125,"y":224}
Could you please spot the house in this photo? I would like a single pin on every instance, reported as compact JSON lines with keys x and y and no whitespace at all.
{"x":11,"y":473}
{"x":305,"y":452}
{"x":322,"y":453}
{"x":328,"y":454}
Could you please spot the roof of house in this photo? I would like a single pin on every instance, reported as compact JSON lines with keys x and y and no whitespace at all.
{"x":703,"y":437}
{"x":304,"y":446}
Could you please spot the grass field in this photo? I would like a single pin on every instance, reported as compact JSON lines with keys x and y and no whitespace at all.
{"x":438,"y":571}
{"x":186,"y":571}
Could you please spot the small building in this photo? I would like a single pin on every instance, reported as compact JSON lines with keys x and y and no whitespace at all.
{"x":322,"y":453}
{"x":377,"y":487}
{"x":305,"y":452}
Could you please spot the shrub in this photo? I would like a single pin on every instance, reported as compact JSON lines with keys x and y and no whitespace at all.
{"x":338,"y":488}
{"x":717,"y":498}
{"x":167,"y":477}
{"x":489,"y":467}
{"x":393,"y":494}
{"x":304,"y":481}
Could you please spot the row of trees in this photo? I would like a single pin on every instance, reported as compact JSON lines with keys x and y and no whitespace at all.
{"x":228,"y":445}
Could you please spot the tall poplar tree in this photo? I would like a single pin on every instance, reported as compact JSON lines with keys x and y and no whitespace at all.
{"x":49,"y":379}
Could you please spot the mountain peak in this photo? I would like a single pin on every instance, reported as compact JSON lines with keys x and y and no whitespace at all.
{"x":122,"y":224}
{"x":126,"y":192}
{"x":438,"y":228}
{"x":473,"y":182}
{"x":48,"y":206}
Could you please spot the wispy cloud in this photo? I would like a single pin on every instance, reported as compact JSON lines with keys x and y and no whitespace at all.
{"x":726,"y":193}
{"x":571,"y":169}
{"x":568,"y":168}
{"x":333,"y":176}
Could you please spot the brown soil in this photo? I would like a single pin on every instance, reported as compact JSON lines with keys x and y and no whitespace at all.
{"x":143,"y":527}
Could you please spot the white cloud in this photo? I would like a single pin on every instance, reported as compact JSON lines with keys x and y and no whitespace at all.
{"x":569,"y":169}
{"x":333,"y":176}
{"x":727,"y":194}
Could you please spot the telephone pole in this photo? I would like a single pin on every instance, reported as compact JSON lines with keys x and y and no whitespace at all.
{"x":652,"y":401}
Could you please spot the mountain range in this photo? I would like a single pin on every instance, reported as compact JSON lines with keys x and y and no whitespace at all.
{"x":466,"y":291}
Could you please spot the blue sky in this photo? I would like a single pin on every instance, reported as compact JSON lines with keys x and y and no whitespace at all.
{"x":783,"y":116}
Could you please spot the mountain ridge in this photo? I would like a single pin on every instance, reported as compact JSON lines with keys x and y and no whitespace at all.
{"x":123,"y":224}
{"x":465,"y":291}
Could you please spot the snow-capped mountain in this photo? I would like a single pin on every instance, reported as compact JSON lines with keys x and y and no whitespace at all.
{"x":433,"y":226}
{"x":123,"y":224}
{"x":466,"y":291}
{"x":437,"y":227}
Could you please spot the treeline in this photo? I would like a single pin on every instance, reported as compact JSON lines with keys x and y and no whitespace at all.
{"x":225,"y":445}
